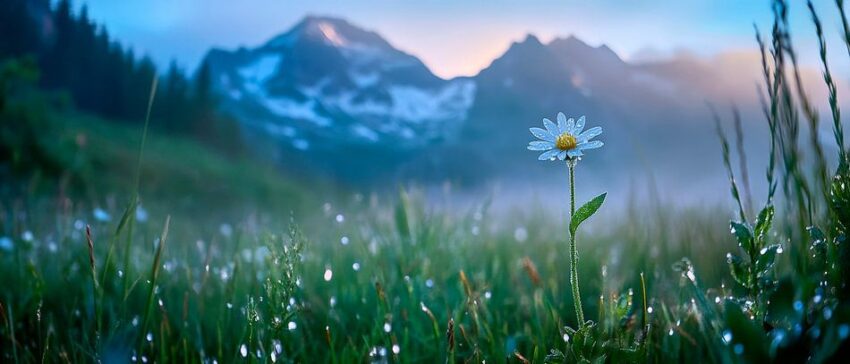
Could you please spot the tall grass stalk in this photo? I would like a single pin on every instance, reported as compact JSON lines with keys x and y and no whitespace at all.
{"x":742,"y":161}
{"x":95,"y":286}
{"x":153,"y":277}
{"x":724,"y":145}
{"x":134,"y":201}
{"x":837,"y":128}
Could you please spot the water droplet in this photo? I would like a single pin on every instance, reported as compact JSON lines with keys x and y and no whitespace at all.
{"x":149,"y":337}
{"x":429,"y":283}
{"x":340,"y":218}
{"x":343,"y":240}
{"x":798,"y":306}
{"x":101,"y":215}
{"x":520,"y":234}
{"x":387,"y":327}
{"x":243,"y":350}
{"x":649,"y":309}
{"x":843,"y":331}
{"x":328,"y":275}
{"x":727,"y":336}
{"x":355,"y":266}
{"x":27,"y":236}
{"x":670,"y":333}
{"x":274,"y":357}
{"x":566,"y":337}
{"x":739,"y":349}
{"x":6,"y":244}
{"x":396,"y":349}
{"x":225,"y":229}
{"x":291,"y":325}
{"x":488,"y":295}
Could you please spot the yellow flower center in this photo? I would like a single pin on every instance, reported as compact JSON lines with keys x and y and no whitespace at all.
{"x":565,"y":141}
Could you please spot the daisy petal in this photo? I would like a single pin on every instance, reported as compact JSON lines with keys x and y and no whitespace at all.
{"x":579,"y":126}
{"x":589,"y":134}
{"x":548,"y":155}
{"x":562,"y":123}
{"x":540,"y":145}
{"x":551,"y":127}
{"x":590,"y":145}
{"x":542,"y":134}
{"x":575,"y":153}
{"x":562,"y":155}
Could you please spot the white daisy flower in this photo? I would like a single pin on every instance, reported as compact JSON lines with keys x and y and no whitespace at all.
{"x":565,"y":140}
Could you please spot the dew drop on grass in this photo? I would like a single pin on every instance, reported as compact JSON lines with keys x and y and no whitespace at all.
{"x":727,"y":336}
{"x":243,"y":350}
{"x":27,"y":236}
{"x":396,"y":349}
{"x":798,"y":306}
{"x":670,"y":333}
{"x":135,"y":321}
{"x":566,"y":338}
{"x":649,"y":309}
{"x":739,"y":349}
{"x":520,"y":234}
{"x":488,"y":295}
{"x":273,"y":356}
{"x":356,"y":266}
{"x":843,"y":331}
{"x":292,"y":325}
{"x":343,"y":240}
{"x":429,"y":283}
{"x":340,"y":218}
{"x":328,"y":274}
{"x":149,"y":337}
{"x":387,"y":327}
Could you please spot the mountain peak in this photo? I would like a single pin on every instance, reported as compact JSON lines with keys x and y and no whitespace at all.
{"x":333,"y":31}
{"x":572,"y":47}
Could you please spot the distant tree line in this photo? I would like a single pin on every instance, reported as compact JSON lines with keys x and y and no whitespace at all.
{"x":76,"y":56}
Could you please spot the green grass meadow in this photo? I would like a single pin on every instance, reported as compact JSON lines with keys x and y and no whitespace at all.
{"x":120,"y":244}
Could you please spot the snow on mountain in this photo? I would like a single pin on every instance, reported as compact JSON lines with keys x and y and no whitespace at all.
{"x":327,"y":82}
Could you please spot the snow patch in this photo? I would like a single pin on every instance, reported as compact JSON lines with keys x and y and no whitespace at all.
{"x":364,"y":80}
{"x":261,"y":70}
{"x":296,"y":110}
{"x":365,"y":132}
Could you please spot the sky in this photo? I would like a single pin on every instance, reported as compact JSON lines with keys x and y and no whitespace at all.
{"x":460,"y":37}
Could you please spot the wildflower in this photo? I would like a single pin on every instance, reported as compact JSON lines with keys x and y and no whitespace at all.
{"x":565,"y":140}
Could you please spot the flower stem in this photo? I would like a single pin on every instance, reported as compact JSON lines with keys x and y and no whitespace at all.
{"x":573,"y":251}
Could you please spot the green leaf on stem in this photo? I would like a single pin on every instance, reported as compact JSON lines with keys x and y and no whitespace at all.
{"x":586,"y":211}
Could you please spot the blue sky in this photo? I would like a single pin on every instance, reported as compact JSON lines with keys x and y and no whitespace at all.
{"x":460,"y":37}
